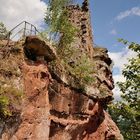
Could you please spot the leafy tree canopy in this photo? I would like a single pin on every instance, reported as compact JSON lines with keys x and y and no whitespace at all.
{"x":126,"y":113}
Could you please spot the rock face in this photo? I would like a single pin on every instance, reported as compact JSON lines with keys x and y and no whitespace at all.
{"x":81,"y":116}
{"x":34,"y":48}
{"x":53,"y":106}
{"x":52,"y":109}
{"x":11,"y":88}
{"x":35,"y":113}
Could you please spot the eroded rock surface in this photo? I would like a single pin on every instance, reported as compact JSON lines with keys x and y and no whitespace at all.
{"x":35,"y":47}
{"x":78,"y":115}
{"x":54,"y":105}
{"x":52,"y":109}
{"x":35,"y":113}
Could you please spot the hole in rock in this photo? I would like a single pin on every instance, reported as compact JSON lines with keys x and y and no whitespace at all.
{"x":30,"y":54}
{"x":44,"y":75}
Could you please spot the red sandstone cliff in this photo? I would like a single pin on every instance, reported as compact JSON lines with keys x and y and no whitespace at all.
{"x":53,"y":107}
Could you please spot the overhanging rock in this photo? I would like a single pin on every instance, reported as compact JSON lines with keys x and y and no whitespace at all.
{"x":35,"y":47}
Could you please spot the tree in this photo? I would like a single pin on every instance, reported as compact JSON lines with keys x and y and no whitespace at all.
{"x":63,"y":33}
{"x":57,"y":20}
{"x":126,"y":113}
{"x":3,"y":31}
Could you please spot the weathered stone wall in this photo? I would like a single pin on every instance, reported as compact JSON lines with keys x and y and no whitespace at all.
{"x":80,"y":18}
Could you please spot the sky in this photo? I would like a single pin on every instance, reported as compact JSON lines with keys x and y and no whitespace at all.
{"x":110,"y":19}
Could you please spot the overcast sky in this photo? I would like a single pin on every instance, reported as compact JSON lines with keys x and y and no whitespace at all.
{"x":111,"y":19}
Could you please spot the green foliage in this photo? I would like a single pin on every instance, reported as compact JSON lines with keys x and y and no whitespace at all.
{"x":4,"y":102}
{"x":3,"y":31}
{"x":58,"y":22}
{"x":11,"y":90}
{"x":63,"y":33}
{"x":9,"y":97}
{"x":80,"y":67}
{"x":83,"y":70}
{"x":126,"y":112}
{"x":44,"y":35}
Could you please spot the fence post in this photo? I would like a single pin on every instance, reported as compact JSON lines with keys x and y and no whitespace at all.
{"x":8,"y":38}
{"x":35,"y":30}
{"x":24,"y":32}
{"x":31,"y":29}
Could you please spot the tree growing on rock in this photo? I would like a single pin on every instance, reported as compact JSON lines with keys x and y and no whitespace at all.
{"x":64,"y":33}
{"x":57,"y":19}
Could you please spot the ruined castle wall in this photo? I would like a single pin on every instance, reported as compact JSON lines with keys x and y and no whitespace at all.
{"x":80,"y":18}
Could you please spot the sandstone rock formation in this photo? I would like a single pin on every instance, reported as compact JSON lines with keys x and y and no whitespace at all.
{"x":54,"y":106}
{"x":53,"y":109}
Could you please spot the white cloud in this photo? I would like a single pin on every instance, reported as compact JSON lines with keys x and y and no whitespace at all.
{"x":133,"y":11}
{"x":116,"y":91}
{"x":13,"y":12}
{"x":113,"y":32}
{"x":119,"y":59}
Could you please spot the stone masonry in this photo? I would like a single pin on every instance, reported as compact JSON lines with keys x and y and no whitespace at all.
{"x":80,"y":18}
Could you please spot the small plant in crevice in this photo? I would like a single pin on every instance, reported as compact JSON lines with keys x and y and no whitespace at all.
{"x":81,"y":68}
{"x":4,"y":102}
{"x":10,"y":99}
